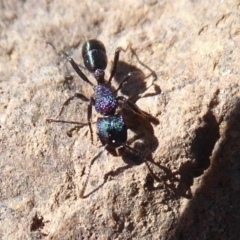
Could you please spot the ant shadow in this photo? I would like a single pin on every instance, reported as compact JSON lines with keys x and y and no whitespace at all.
{"x":144,"y":141}
{"x":201,"y":149}
{"x":137,"y":85}
{"x":213,"y":213}
{"x":134,"y":89}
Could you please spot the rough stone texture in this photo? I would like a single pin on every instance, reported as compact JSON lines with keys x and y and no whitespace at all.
{"x":193,"y":46}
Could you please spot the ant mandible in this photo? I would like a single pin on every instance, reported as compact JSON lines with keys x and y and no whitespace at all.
{"x":111,"y":128}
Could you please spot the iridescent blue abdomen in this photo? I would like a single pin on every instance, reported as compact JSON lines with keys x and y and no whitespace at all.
{"x":105,"y":100}
{"x":112,"y":130}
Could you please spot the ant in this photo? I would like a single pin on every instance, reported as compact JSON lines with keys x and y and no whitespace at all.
{"x":111,"y":128}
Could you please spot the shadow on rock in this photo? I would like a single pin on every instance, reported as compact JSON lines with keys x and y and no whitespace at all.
{"x":213,"y":212}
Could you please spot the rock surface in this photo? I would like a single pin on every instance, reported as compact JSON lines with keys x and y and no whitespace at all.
{"x":194,"y":48}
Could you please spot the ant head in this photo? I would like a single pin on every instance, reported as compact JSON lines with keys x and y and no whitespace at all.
{"x":94,"y":55}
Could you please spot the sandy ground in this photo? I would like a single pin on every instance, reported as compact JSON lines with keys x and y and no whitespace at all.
{"x":194,"y":49}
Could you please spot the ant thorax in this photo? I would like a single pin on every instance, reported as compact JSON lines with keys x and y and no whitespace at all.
{"x":105,"y":100}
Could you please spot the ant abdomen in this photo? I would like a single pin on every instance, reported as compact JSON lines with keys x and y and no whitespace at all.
{"x":94,"y":55}
{"x":112,"y":131}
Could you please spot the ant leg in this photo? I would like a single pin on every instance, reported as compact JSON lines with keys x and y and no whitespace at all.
{"x":89,"y":170}
{"x":76,"y":128}
{"x":123,"y":81}
{"x":78,"y":70}
{"x":115,"y":61}
{"x":73,"y":63}
{"x":145,"y":161}
{"x":152,"y":73}
{"x":50,"y":120}
{"x":66,"y":103}
{"x":89,"y":116}
{"x":136,"y":109}
{"x":69,"y":132}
